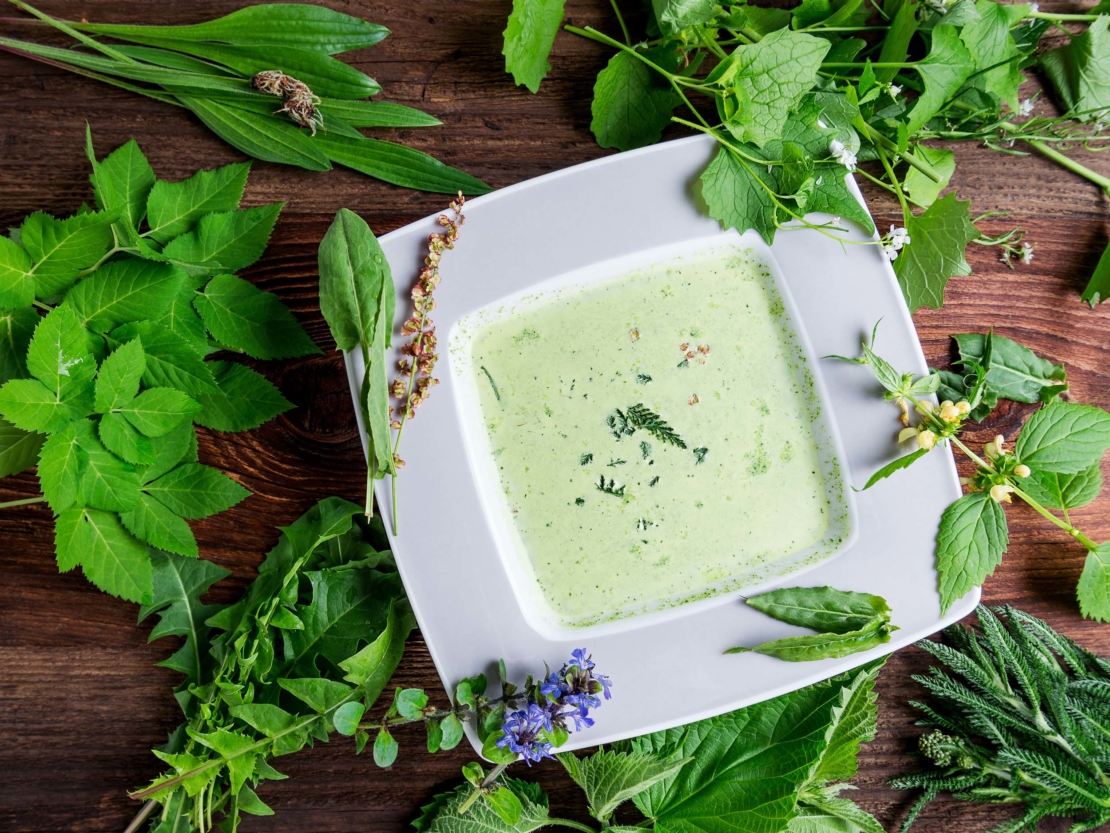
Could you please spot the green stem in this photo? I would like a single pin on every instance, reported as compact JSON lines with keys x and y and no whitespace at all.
{"x":573,"y":825}
{"x":1067,"y":527}
{"x":620,"y":20}
{"x":1059,"y":158}
{"x":73,"y":33}
{"x":858,"y":65}
{"x":894,"y":181}
{"x":27,"y":501}
{"x":1073,"y":18}
{"x":371,"y":464}
{"x":879,"y":140}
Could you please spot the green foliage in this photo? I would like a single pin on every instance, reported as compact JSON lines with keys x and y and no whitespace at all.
{"x":850,"y":622}
{"x":611,"y":778}
{"x":940,"y":235}
{"x":1020,"y":717}
{"x":631,"y":103}
{"x":529,"y":35}
{"x":207,"y":68}
{"x":972,"y":538}
{"x":103,"y":389}
{"x":1015,"y":372}
{"x":251,"y":691}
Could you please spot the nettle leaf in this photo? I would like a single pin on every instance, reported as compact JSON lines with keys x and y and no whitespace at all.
{"x":16,"y":328}
{"x":19,"y":449}
{"x":939,"y":238}
{"x":738,"y":194}
{"x":611,"y":778}
{"x":1080,"y":71}
{"x":158,"y":411}
{"x":972,"y":538}
{"x":821,"y":608}
{"x":246,"y":318}
{"x":529,"y":36}
{"x":771,"y":78}
{"x":152,"y":522}
{"x":1064,"y":438}
{"x":173,"y":208}
{"x":1064,"y":491}
{"x":122,"y":181}
{"x":60,"y":249}
{"x":124,"y":440}
{"x":123,"y":291}
{"x":832,"y":815}
{"x":17,"y":285}
{"x":822,"y":645}
{"x":245,"y":399}
{"x":443,"y":816}
{"x":231,"y":240}
{"x":1015,"y":372}
{"x":943,"y":71}
{"x":1094,"y":585}
{"x":193,"y":490}
{"x":632,"y":103}
{"x":854,"y":721}
{"x":111,"y":558}
{"x":990,"y":44}
{"x":117,"y":382}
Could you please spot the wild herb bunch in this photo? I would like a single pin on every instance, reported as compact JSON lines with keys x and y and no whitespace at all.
{"x":1021,"y":715}
{"x":265,"y":80}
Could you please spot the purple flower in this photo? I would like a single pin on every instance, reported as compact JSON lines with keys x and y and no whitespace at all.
{"x":522,"y":733}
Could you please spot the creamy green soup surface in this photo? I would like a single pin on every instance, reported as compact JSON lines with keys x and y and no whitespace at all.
{"x":655,"y":435}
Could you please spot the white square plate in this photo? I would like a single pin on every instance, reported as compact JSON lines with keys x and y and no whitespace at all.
{"x":610,"y":214}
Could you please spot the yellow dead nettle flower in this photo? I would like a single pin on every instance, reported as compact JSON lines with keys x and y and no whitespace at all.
{"x":995,"y":448}
{"x":1022,"y":470}
{"x":926,"y":439}
{"x":1001,"y":493}
{"x":949,"y":412}
{"x":907,"y":434}
{"x":964,"y":407}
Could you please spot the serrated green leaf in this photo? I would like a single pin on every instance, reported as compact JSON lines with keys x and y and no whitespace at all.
{"x":232,"y":240}
{"x":1094,"y":585}
{"x":152,"y":522}
{"x":171,"y":361}
{"x":1015,"y":372}
{"x":1080,"y":71}
{"x":822,"y":645}
{"x":174,"y":208}
{"x":1064,"y":438}
{"x":122,"y":182}
{"x":58,"y":355}
{"x":110,"y":557}
{"x":632,"y":104}
{"x":61,"y":464}
{"x":19,"y":449}
{"x":30,"y":406}
{"x":1064,"y":491}
{"x":854,"y":721}
{"x":193,"y":490}
{"x":246,"y":399}
{"x":821,"y":608}
{"x":107,"y":482}
{"x":123,"y":291}
{"x":246,"y":318}
{"x":676,"y":15}
{"x":124,"y":440}
{"x":922,"y":190}
{"x":16,"y":329}
{"x":398,"y":165}
{"x":938,"y":239}
{"x":181,"y":319}
{"x":60,"y":249}
{"x":528,"y":39}
{"x":611,"y":778}
{"x":179,"y":445}
{"x":943,"y":72}
{"x":993,"y":49}
{"x":234,"y":748}
{"x":17,"y":285}
{"x":738,"y":194}
{"x":157,"y":411}
{"x":972,"y":538}
{"x":117,"y":382}
{"x":832,"y":815}
{"x":443,"y":816}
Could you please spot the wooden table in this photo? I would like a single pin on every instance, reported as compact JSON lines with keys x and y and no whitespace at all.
{"x":81,"y":702}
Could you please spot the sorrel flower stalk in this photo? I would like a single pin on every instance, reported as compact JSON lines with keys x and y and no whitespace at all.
{"x":415,"y":381}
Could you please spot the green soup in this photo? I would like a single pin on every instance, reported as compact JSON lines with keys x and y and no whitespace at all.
{"x":654,"y":435}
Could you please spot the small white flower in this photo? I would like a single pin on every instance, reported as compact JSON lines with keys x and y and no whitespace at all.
{"x":1026,"y":253}
{"x":836,"y":222}
{"x":1034,"y":8}
{"x":890,"y":251}
{"x":1026,"y":108}
{"x":899,"y":237}
{"x":894,"y":90}
{"x":1005,"y":258}
{"x":842,"y":154}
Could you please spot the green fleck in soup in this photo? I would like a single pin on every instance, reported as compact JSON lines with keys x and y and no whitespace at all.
{"x":654,"y":436}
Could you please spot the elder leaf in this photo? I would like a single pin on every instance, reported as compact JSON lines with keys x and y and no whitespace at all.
{"x":231,"y":240}
{"x":58,"y":354}
{"x":1064,"y":438}
{"x":61,"y":464}
{"x":122,"y":181}
{"x":158,"y":411}
{"x":31,"y":406}
{"x":245,"y":399}
{"x":179,"y":445}
{"x":19,"y":449}
{"x":60,"y":249}
{"x":111,"y":558}
{"x":193,"y":490}
{"x":152,"y":522}
{"x":16,"y":328}
{"x":123,"y":291}
{"x":17,"y":285}
{"x":246,"y":318}
{"x":173,"y":208}
{"x":632,"y":103}
{"x":529,"y":36}
{"x":938,"y":239}
{"x":124,"y":440}
{"x":118,"y":380}
{"x":107,"y":482}
{"x":171,"y":361}
{"x":972,"y":538}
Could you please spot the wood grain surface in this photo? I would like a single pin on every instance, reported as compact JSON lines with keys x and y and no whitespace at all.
{"x":81,"y":702}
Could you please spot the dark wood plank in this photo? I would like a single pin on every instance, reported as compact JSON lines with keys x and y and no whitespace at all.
{"x":81,"y":702}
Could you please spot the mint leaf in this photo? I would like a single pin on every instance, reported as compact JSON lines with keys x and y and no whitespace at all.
{"x":611,"y":778}
{"x":171,"y":362}
{"x":770,"y":78}
{"x":231,"y":240}
{"x":1080,"y":71}
{"x":990,"y":44}
{"x":107,"y":482}
{"x":124,"y":291}
{"x":1015,"y":372}
{"x":19,"y":449}
{"x":193,"y":490}
{"x":1064,"y":491}
{"x":821,"y":608}
{"x":633,"y":103}
{"x":921,"y":190}
{"x":173,"y":208}
{"x":529,"y":35}
{"x":110,"y":557}
{"x":117,"y":382}
{"x":943,"y":71}
{"x":353,"y":274}
{"x":60,"y":249}
{"x":122,"y":439}
{"x":16,"y":328}
{"x":245,"y":399}
{"x":675,"y":15}
{"x":122,"y":181}
{"x":17,"y":286}
{"x":152,"y":522}
{"x":61,"y":464}
{"x":738,"y":194}
{"x":158,"y":411}
{"x":1094,"y":585}
{"x":246,"y":318}
{"x":1064,"y":438}
{"x":970,"y":543}
{"x":935,"y":253}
